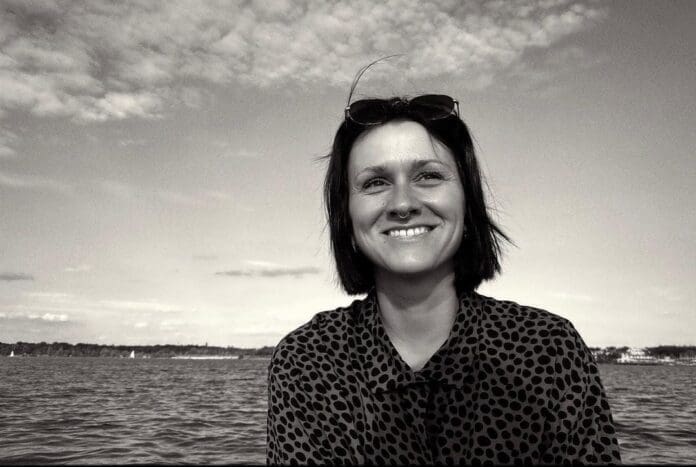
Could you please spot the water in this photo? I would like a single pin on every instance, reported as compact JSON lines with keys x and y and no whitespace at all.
{"x":100,"y":410}
{"x":654,"y":411}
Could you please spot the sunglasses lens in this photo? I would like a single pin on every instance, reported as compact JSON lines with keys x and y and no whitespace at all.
{"x":433,"y":106}
{"x":376,"y":111}
{"x":368,"y":111}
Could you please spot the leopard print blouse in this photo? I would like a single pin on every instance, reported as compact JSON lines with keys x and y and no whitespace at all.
{"x":511,"y":384}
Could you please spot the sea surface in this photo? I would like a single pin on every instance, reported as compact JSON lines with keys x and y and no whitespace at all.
{"x":101,"y":410}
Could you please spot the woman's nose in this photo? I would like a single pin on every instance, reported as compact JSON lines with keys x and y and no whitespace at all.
{"x":403,"y":203}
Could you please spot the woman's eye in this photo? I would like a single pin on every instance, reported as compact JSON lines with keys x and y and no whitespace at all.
{"x":427,"y":176}
{"x":373,"y":183}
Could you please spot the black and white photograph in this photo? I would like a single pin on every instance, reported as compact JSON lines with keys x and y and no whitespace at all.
{"x":278,"y":232}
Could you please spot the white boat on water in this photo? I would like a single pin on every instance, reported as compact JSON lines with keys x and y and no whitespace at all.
{"x":132,"y":354}
{"x":12,"y":353}
{"x":637,"y":356}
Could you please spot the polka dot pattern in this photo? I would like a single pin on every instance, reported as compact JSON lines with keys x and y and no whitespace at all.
{"x":512,"y":384}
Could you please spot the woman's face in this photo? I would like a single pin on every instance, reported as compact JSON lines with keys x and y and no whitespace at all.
{"x":406,"y":199}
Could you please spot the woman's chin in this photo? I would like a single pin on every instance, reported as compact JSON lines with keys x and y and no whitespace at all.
{"x":410,"y":269}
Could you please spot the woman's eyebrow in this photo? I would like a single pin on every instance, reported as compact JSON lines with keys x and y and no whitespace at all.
{"x":383,"y":168}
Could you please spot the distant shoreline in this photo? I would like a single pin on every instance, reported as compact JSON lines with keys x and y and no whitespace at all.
{"x":63,"y":349}
{"x":660,"y":355}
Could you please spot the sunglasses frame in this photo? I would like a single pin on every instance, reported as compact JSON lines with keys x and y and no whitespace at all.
{"x":418,"y":100}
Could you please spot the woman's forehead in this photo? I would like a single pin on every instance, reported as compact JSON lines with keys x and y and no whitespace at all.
{"x":397,"y":143}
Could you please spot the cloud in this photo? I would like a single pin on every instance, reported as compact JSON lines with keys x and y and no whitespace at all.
{"x":263,"y":264}
{"x":54,"y":317}
{"x":117,"y":189}
{"x":78,"y":268}
{"x":275,"y":271}
{"x":54,"y":297}
{"x":37,"y":304}
{"x":573,"y":297}
{"x":544,"y":75}
{"x":32,"y":182}
{"x":667,"y":292}
{"x":140,"y":324}
{"x":7,"y":138}
{"x":228,"y":149}
{"x":205,"y":257}
{"x":15,"y":276}
{"x":132,"y":142}
{"x":172,"y":324}
{"x":45,"y":317}
{"x":96,"y":60}
{"x":145,"y":305}
{"x":173,"y":197}
{"x":217,"y":195}
{"x":126,"y":191}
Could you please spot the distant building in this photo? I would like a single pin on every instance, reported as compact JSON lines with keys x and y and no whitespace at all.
{"x":638,"y":356}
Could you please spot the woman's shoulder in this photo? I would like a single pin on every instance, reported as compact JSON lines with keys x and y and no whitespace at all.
{"x":530,"y":321}
{"x":496,"y":309}
{"x":326,"y":331}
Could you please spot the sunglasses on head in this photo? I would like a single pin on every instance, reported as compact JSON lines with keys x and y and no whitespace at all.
{"x":368,"y":112}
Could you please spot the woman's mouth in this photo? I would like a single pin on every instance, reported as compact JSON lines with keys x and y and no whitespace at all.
{"x":409,"y":232}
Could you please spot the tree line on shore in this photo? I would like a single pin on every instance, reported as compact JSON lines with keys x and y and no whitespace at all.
{"x":63,"y":349}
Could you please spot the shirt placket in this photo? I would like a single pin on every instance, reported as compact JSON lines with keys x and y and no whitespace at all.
{"x":432,"y":429}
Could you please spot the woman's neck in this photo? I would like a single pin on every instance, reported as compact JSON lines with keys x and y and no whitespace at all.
{"x":417,"y":312}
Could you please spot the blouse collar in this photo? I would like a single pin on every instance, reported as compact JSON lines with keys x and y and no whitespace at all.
{"x":452,"y":364}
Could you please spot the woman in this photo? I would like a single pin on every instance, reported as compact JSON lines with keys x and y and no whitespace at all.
{"x":424,"y":369}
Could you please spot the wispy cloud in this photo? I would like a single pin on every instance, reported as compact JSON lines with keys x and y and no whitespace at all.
{"x":15,"y":276}
{"x":174,"y":197}
{"x":60,"y":302}
{"x":228,"y":149}
{"x":262,"y":264}
{"x":46,"y":317}
{"x":145,"y":305}
{"x":667,"y":292}
{"x":78,"y":268}
{"x":544,"y":75}
{"x":172,"y":324}
{"x":116,"y":189}
{"x":97,"y":60}
{"x":61,"y":297}
{"x":7,"y":138}
{"x":269,"y":271}
{"x":575,"y":297}
{"x":127,"y":191}
{"x":205,"y":257}
{"x":32,"y":182}
{"x":53,"y":317}
{"x":131,"y":142}
{"x":217,"y":195}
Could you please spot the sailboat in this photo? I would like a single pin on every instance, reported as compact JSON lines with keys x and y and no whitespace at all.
{"x":12,"y":353}
{"x":132,"y":355}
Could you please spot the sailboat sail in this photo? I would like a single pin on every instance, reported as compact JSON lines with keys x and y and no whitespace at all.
{"x":132,"y":355}
{"x":12,"y":353}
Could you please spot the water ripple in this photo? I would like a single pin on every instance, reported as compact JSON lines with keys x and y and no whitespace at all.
{"x":104,"y":411}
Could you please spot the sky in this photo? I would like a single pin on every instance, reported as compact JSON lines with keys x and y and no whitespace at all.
{"x":161,"y":180}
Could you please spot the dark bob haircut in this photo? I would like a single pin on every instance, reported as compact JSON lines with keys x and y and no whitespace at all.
{"x":478,"y":256}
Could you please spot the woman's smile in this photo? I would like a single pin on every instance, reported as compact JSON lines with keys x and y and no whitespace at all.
{"x":408,"y":233}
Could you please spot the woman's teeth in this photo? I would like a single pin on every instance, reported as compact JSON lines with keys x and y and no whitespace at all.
{"x":409,"y":232}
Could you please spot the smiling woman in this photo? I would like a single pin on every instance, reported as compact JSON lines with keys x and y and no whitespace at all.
{"x":424,"y":369}
{"x":398,"y":169}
